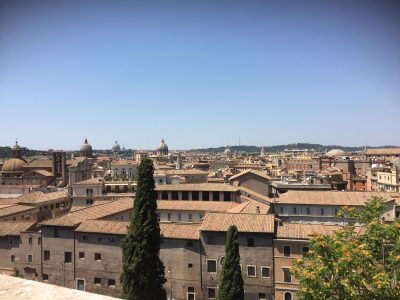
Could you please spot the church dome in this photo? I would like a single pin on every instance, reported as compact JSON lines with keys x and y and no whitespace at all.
{"x":163,"y":146}
{"x":86,"y":149}
{"x":335,"y":152}
{"x":13,"y":165}
{"x":116,"y":147}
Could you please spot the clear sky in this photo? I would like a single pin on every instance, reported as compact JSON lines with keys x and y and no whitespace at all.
{"x":199,"y":73}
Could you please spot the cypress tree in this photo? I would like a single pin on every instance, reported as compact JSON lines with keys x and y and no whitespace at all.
{"x":142,"y":276}
{"x":230,"y":281}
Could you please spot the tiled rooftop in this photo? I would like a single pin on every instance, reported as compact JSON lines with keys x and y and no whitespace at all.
{"x":261,"y":223}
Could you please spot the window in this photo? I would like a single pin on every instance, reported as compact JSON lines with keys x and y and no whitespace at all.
{"x":211,"y":240}
{"x":195,"y":195}
{"x":190,"y":218}
{"x":265,"y":272}
{"x":251,"y":271}
{"x":67,"y":257}
{"x":111,"y":239}
{"x":227,"y":196}
{"x":215,"y":196}
{"x":97,"y":280}
{"x":322,"y":211}
{"x":305,"y":249}
{"x":169,"y":217}
{"x":30,"y":257}
{"x":281,"y":210}
{"x":52,"y":206}
{"x":81,"y":255}
{"x":211,"y":266}
{"x":164,"y":195}
{"x":200,"y":216}
{"x":30,"y":241}
{"x":56,"y":233}
{"x":111,"y":282}
{"x":250,"y":242}
{"x":286,"y":275}
{"x":12,"y":258}
{"x":174,"y":195}
{"x":45,"y":277}
{"x":262,"y":296}
{"x":286,"y":251}
{"x":308,"y":211}
{"x":85,"y":237}
{"x":57,"y":205}
{"x":191,"y":294}
{"x":185,"y":195}
{"x":205,"y":196}
{"x":10,"y":240}
{"x":211,"y":293}
{"x":39,"y":241}
{"x":189,"y":244}
{"x":97,"y":256}
{"x":287,"y":296}
{"x":46,"y":255}
{"x":179,"y":217}
{"x":89,"y":201}
{"x":190,"y":266}
{"x":221,"y":260}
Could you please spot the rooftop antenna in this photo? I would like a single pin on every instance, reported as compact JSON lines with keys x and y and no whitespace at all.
{"x":239,"y":140}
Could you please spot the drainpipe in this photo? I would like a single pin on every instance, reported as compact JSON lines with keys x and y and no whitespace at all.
{"x":74,"y":257}
{"x":201,"y":270}
{"x":41,"y":253}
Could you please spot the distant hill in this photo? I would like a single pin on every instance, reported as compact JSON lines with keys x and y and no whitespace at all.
{"x":281,"y":148}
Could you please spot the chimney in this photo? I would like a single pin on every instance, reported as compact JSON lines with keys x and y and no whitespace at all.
{"x":258,"y":209}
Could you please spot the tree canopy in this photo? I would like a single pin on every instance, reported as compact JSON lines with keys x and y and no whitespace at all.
{"x":142,"y":277}
{"x":356,"y":262}
{"x":230,"y":281}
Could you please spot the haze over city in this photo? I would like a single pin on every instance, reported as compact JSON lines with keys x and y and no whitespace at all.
{"x":199,"y":74}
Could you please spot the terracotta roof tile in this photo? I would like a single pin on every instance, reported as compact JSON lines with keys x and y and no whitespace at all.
{"x":245,"y":222}
{"x":9,"y":210}
{"x":347,"y":198}
{"x":218,"y":206}
{"x":168,"y":230}
{"x":304,"y":231}
{"x":14,"y":228}
{"x":258,"y":173}
{"x":94,"y":212}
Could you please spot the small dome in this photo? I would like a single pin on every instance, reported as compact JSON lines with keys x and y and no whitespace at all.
{"x":228,"y":151}
{"x":335,"y":152}
{"x":86,"y":146}
{"x":116,"y":147}
{"x":163,"y":146}
{"x":13,"y":165}
{"x":16,"y":146}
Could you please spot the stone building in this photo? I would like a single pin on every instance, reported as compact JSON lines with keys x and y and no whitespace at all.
{"x":256,"y":181}
{"x":80,"y":169}
{"x":198,"y":192}
{"x":255,"y":247}
{"x":322,"y":206}
{"x":292,"y":242}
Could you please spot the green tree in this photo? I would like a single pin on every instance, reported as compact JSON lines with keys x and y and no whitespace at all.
{"x":230,"y":281}
{"x":355,"y":262}
{"x":142,"y":277}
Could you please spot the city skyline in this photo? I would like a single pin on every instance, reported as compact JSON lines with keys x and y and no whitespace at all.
{"x":199,"y":74}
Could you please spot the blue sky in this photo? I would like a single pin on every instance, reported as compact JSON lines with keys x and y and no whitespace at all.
{"x":199,"y":73}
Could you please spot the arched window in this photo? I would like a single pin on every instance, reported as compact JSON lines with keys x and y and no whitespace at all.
{"x":287,"y":296}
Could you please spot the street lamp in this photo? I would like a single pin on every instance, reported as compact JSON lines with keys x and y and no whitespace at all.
{"x":170,"y":279}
